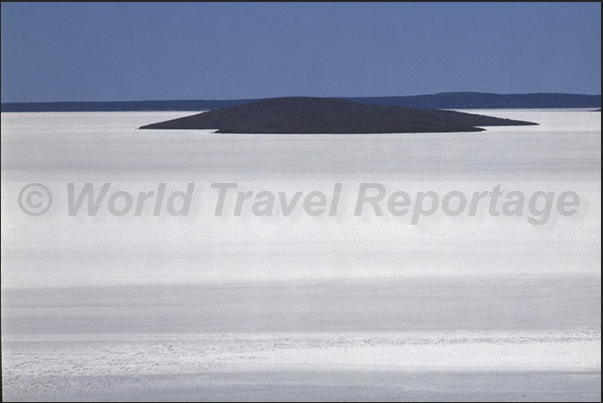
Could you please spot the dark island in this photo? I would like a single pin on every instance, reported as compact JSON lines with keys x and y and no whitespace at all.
{"x":305,"y":115}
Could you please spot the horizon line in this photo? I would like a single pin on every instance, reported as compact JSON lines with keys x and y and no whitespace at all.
{"x":304,"y":96}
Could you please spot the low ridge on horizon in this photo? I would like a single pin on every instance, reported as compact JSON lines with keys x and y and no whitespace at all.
{"x":310,"y":115}
{"x":441,"y":100}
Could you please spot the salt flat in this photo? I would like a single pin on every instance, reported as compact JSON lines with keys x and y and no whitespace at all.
{"x":459,"y":338}
{"x":298,"y":307}
{"x":486,"y":302}
{"x":457,"y":365}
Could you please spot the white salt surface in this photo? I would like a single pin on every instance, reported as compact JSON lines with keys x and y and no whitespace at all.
{"x":302,"y":308}
{"x":205,"y":366}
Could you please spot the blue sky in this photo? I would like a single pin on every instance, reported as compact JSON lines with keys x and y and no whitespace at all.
{"x":163,"y":51}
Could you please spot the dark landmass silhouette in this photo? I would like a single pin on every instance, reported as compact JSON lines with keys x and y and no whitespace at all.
{"x":479,"y":100}
{"x":447,"y":100}
{"x":305,"y":115}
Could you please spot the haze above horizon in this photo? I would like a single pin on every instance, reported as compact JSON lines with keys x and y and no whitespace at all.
{"x":166,"y":51}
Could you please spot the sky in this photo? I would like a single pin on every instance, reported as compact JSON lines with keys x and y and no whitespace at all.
{"x":170,"y":51}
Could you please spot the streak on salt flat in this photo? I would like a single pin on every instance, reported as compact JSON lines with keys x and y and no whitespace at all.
{"x":192,"y":367}
{"x":458,"y":350}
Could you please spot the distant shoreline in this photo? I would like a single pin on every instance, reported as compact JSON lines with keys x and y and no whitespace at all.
{"x":449,"y":100}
